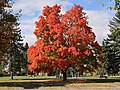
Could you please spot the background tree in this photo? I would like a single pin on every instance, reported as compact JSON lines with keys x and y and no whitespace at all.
{"x":20,"y":64}
{"x":10,"y":33}
{"x":63,"y":41}
{"x":24,"y":60}
{"x":111,"y":46}
{"x":117,"y":4}
{"x":5,"y":28}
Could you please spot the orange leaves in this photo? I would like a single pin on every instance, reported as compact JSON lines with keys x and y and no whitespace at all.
{"x":82,"y":22}
{"x":63,"y":64}
{"x":47,"y":10}
{"x":51,"y":15}
{"x":68,"y":51}
{"x":38,"y":42}
{"x":62,"y":40}
{"x":62,"y":51}
{"x":60,"y":63}
{"x":73,"y":51}
{"x":58,"y":28}
{"x":91,"y":36}
{"x":40,"y":26}
{"x":72,"y":30}
{"x":31,"y":55}
{"x":72,"y":16}
{"x":41,"y":23}
{"x":57,"y":43}
{"x":34,"y":51}
{"x":49,"y":48}
{"x":41,"y":58}
{"x":56,"y":8}
{"x":88,"y":52}
{"x":52,"y":19}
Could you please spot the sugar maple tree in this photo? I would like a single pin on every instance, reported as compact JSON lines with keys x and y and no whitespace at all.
{"x":63,"y":41}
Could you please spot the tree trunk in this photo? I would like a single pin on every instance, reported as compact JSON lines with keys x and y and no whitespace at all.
{"x":11,"y":67}
{"x":11,"y":71}
{"x":64,"y":75}
{"x":19,"y":69}
{"x":11,"y":74}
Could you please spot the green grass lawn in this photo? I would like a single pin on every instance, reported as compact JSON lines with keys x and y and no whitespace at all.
{"x":46,"y":81}
{"x":25,"y":78}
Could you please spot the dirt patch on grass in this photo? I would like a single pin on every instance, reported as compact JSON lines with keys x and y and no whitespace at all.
{"x":89,"y":85}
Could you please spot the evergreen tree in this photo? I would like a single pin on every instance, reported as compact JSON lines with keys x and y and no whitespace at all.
{"x":23,"y":60}
{"x":20,"y":61}
{"x":6,"y":23}
{"x":117,"y":4}
{"x":111,"y":46}
{"x":10,"y":34}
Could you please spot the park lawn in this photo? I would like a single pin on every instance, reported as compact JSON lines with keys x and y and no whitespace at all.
{"x":46,"y":81}
{"x":25,"y":78}
{"x":90,"y":85}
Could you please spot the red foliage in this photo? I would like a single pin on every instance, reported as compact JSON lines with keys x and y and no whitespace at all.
{"x":88,"y":52}
{"x":2,"y":59}
{"x":62,"y":40}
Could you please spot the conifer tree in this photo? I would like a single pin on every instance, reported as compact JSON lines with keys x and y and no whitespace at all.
{"x":111,"y":46}
{"x":10,"y":34}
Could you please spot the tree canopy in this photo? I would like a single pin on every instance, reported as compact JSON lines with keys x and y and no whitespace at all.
{"x":10,"y":34}
{"x":8,"y":27}
{"x":63,"y":41}
{"x":111,"y":46}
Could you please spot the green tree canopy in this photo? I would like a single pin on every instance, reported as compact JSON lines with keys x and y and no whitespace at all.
{"x":111,"y":45}
{"x":8,"y":27}
{"x":10,"y":33}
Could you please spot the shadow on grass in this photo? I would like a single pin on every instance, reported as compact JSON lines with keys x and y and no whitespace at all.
{"x":39,"y":83}
{"x":31,"y":85}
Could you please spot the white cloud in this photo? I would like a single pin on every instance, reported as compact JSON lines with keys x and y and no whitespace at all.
{"x":99,"y":21}
{"x":28,"y":25}
{"x":31,"y":9}
{"x":29,"y":38}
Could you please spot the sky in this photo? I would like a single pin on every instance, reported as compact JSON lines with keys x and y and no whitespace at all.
{"x":98,"y":15}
